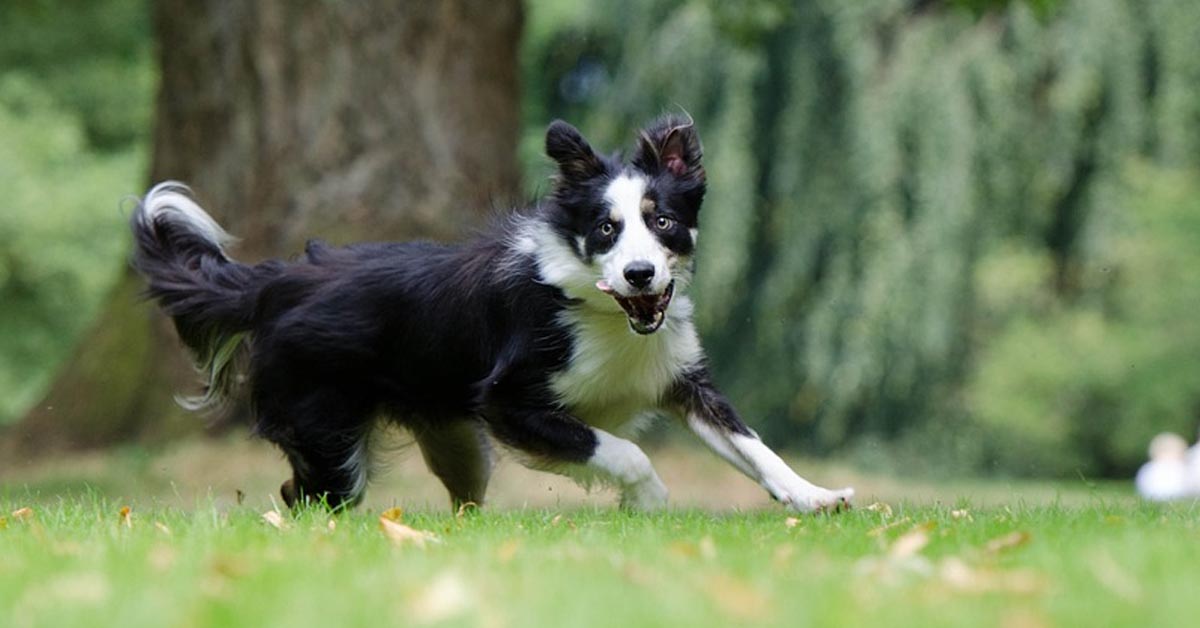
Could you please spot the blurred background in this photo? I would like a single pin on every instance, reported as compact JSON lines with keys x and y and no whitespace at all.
{"x":942,"y":238}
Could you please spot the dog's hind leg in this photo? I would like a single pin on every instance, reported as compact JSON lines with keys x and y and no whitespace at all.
{"x":460,"y":455}
{"x":329,"y":469}
{"x":326,"y":438}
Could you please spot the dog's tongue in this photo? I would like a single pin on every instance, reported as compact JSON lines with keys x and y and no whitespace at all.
{"x":646,"y":311}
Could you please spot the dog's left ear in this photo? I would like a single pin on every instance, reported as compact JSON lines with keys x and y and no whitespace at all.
{"x":671,"y":145}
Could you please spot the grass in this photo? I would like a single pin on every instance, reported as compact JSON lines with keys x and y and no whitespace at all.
{"x":1075,"y":555}
{"x":79,"y":563}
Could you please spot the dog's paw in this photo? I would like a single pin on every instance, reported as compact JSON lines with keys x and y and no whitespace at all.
{"x":815,"y":500}
{"x":650,"y":494}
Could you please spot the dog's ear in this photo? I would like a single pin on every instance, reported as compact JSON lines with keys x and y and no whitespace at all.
{"x":670,"y":145}
{"x":575,"y":158}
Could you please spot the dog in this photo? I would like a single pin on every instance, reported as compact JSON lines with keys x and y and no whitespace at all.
{"x":557,"y":333}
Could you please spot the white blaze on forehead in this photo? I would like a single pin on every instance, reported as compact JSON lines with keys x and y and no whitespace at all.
{"x":624,"y":196}
{"x":635,"y":243}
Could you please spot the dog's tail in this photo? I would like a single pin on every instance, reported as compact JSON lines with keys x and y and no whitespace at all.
{"x":179,"y":249}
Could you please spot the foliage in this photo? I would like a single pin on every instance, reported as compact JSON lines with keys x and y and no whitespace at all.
{"x":92,"y":58}
{"x":94,"y":562}
{"x":873,"y":166}
{"x":1087,"y":385}
{"x":74,"y":111}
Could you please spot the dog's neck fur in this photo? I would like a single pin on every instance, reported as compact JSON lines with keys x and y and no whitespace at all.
{"x":613,"y":375}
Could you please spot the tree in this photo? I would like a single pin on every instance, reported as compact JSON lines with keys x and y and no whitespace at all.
{"x":364,"y":120}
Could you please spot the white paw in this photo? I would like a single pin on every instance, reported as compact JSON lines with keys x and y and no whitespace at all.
{"x":649,"y":494}
{"x":816,"y":499}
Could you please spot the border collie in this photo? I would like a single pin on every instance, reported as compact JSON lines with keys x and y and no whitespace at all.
{"x":556,"y":334}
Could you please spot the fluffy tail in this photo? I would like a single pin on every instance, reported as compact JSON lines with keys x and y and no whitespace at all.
{"x":179,"y":249}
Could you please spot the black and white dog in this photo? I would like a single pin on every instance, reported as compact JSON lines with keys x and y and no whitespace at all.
{"x":557,"y":335}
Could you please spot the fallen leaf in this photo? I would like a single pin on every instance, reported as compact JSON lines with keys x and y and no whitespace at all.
{"x":962,"y":577}
{"x":162,"y":527}
{"x":782,"y":554}
{"x":86,"y":587}
{"x":555,"y":521}
{"x":791,"y":522}
{"x":738,"y":599}
{"x":880,"y":508}
{"x":394,"y":513}
{"x":1115,"y":578}
{"x":888,"y":526}
{"x":507,"y":550}
{"x":445,"y":598}
{"x":23,"y":514}
{"x":639,"y":575}
{"x":274,"y":518}
{"x":1024,"y":618}
{"x":161,"y":558}
{"x":126,"y":517}
{"x":401,"y":534}
{"x":332,"y":525}
{"x":1008,"y":541}
{"x":684,"y":549}
{"x":910,"y":543}
{"x":961,"y":514}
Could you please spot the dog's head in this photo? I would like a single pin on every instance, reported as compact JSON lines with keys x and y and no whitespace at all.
{"x":630,"y":225}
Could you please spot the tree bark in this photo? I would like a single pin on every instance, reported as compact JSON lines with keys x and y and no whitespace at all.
{"x":294,"y":119}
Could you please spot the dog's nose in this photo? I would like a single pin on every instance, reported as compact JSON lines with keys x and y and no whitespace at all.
{"x":639,"y":274}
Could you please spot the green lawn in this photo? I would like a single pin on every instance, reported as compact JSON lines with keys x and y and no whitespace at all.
{"x":80,"y":562}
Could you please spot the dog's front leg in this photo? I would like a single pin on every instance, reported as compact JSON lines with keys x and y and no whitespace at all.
{"x":709,"y":414}
{"x":554,"y":440}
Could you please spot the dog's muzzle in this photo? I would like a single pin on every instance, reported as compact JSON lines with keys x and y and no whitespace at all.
{"x":646,"y":311}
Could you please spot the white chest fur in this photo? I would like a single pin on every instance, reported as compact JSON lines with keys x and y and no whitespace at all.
{"x":614,"y":375}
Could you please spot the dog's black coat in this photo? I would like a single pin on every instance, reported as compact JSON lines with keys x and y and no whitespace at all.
{"x":439,"y":338}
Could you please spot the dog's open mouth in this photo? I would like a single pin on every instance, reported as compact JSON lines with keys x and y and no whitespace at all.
{"x":646,"y":311}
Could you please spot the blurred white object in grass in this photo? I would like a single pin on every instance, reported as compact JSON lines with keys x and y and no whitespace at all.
{"x":1167,"y":476}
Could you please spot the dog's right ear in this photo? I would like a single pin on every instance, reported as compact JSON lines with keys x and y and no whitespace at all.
{"x":575,"y":158}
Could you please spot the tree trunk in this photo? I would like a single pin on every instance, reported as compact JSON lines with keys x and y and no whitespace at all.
{"x":296,"y":119}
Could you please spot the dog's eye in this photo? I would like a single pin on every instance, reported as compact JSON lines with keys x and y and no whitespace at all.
{"x":663,"y":223}
{"x":606,"y":228}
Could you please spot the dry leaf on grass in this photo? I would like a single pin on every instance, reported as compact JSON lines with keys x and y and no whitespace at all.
{"x":963,"y":514}
{"x":445,"y":598}
{"x":1009,"y":541}
{"x":910,"y":543}
{"x":737,"y":598}
{"x":888,"y":526}
{"x":395,"y":513}
{"x":962,"y":577}
{"x":126,"y":517}
{"x":162,"y":527}
{"x":791,"y":522}
{"x":400,"y":534}
{"x":903,"y":556}
{"x":275,"y":519}
{"x":880,"y":508}
{"x":507,"y":550}
{"x":1115,"y":578}
{"x":22,"y":514}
